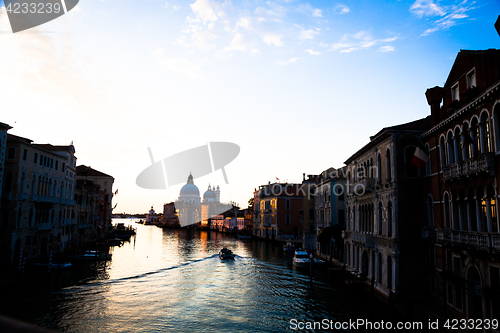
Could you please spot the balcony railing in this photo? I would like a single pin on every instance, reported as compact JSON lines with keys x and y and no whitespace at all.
{"x":346,"y":234}
{"x":483,"y":163}
{"x":361,"y":187}
{"x":22,"y":196}
{"x":480,"y":240}
{"x":45,"y":226}
{"x":366,"y":239}
{"x":428,"y":233}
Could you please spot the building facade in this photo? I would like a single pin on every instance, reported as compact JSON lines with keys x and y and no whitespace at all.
{"x":329,"y":207}
{"x":38,"y":213}
{"x":279,"y":213}
{"x":461,"y":188}
{"x":382,"y":236}
{"x":105,"y":184}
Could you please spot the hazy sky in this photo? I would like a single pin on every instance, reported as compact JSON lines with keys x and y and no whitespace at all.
{"x":299,"y":86}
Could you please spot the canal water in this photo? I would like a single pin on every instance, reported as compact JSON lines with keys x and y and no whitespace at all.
{"x":173,"y":280}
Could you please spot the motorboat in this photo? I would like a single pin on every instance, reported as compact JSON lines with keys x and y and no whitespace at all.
{"x":93,"y":255}
{"x":54,"y":264}
{"x":288,"y":247}
{"x":226,"y":253}
{"x":301,"y":258}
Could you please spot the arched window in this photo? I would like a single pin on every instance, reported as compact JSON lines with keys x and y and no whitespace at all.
{"x":454,"y":207}
{"x":472,"y":217}
{"x":476,"y":146}
{"x":389,"y":272}
{"x":380,"y":267}
{"x":430,"y":212}
{"x":23,"y":182}
{"x":485,"y":133}
{"x":379,"y":168}
{"x":19,"y":218}
{"x":33,"y":184}
{"x":428,"y":165}
{"x":450,"y":148}
{"x":442,"y":150}
{"x":496,"y":126}
{"x":388,"y":164}
{"x":457,"y":144}
{"x":447,"y":220}
{"x":389,"y":219}
{"x":466,"y":142}
{"x":31,"y":218}
{"x":380,"y":218}
{"x":371,"y":168}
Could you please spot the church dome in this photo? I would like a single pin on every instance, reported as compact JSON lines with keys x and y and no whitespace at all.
{"x":190,"y":189}
{"x":189,"y":192}
{"x":209,"y":194}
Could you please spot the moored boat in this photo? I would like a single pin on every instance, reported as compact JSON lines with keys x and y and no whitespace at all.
{"x":93,"y":255}
{"x":301,"y":258}
{"x":226,"y":253}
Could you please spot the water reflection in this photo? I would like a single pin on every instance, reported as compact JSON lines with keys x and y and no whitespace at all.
{"x":173,"y":280}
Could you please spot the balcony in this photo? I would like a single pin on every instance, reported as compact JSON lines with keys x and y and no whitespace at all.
{"x":361,"y":187}
{"x":346,"y":234}
{"x":365,"y":239}
{"x":428,"y":233}
{"x":45,"y":226}
{"x":472,"y":166}
{"x":85,"y":226}
{"x":22,"y":196}
{"x":479,"y":240}
{"x":68,"y":221}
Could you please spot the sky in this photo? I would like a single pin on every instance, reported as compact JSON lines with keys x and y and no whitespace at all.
{"x":298,"y":86}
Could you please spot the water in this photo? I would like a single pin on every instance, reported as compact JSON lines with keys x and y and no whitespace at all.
{"x":173,"y":280}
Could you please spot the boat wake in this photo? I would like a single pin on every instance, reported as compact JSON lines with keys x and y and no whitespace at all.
{"x":138,"y":276}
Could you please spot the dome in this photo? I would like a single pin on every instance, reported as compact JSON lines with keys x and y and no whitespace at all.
{"x":190,"y":189}
{"x":209,"y":195}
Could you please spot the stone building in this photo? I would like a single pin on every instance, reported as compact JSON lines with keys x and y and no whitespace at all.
{"x":37,"y":198}
{"x":461,"y":188}
{"x":105,"y":184}
{"x":329,"y":207}
{"x":384,"y":211}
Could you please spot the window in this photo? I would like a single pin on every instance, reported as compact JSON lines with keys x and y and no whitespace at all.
{"x":430,"y":212}
{"x":379,"y":168}
{"x":379,"y":218}
{"x":495,"y":285}
{"x":25,"y":155}
{"x":389,"y":219}
{"x":442,"y":150}
{"x":287,"y":204}
{"x":287,"y":219}
{"x":428,"y":165}
{"x":63,"y":167}
{"x":447,"y":210}
{"x":11,"y":153}
{"x":471,"y":79}
{"x":35,"y":159}
{"x":388,"y":164}
{"x":455,"y":93}
{"x":57,"y":165}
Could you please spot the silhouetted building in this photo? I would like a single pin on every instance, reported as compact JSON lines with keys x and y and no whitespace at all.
{"x":461,"y":187}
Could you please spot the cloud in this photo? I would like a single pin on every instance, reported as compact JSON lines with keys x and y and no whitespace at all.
{"x":271,"y":38}
{"x":317,"y":13}
{"x":308,"y":9}
{"x":203,"y":10}
{"x":310,"y":51}
{"x":183,"y":66}
{"x":387,"y":48}
{"x":360,"y":41}
{"x":308,"y":34}
{"x":426,"y":8}
{"x":343,"y":9}
{"x":289,"y":61}
{"x":449,"y":15}
{"x":237,"y":44}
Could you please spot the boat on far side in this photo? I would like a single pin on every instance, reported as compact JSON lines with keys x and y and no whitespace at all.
{"x":226,"y":253}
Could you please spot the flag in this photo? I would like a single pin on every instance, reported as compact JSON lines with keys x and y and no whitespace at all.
{"x":421,"y":156}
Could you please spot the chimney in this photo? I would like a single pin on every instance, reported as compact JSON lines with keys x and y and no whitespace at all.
{"x":434,"y":98}
{"x":304,"y":176}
